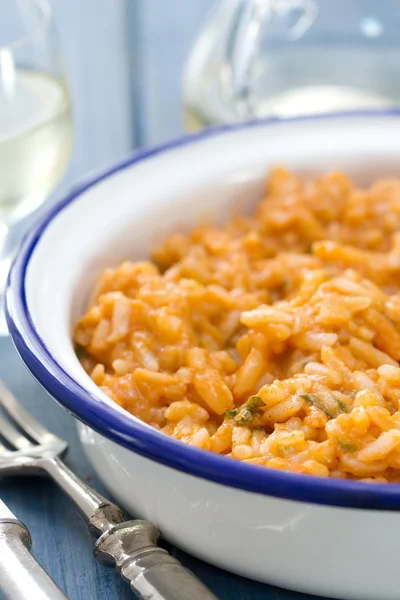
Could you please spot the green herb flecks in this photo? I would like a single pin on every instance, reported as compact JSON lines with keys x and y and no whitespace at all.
{"x":316,"y":402}
{"x":244,"y":416}
{"x":342,"y":406}
{"x":346,"y":447}
{"x":230,"y":414}
{"x":254,"y":402}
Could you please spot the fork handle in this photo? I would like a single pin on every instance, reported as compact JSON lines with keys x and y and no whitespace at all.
{"x":153,"y":574}
{"x":99,"y":513}
{"x":21,"y":577}
{"x":129,"y":546}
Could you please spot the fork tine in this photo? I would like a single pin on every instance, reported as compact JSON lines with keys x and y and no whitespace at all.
{"x":12,"y":435}
{"x":24,"y":419}
{"x":3,"y":450}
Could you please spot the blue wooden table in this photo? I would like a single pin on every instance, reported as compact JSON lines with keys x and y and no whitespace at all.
{"x":124,"y":60}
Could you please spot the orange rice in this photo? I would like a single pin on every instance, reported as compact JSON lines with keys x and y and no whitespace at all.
{"x":274,"y":340}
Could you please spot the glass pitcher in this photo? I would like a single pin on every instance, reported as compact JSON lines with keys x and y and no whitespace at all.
{"x":257,"y":58}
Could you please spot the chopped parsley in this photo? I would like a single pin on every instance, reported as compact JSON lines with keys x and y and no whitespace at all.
{"x":229,"y":414}
{"x":315,"y":401}
{"x":244,"y":415}
{"x":254,"y":402}
{"x":342,"y":406}
{"x":346,"y":447}
{"x":244,"y":418}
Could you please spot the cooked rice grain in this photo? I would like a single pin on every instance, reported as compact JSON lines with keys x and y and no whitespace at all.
{"x":274,"y":340}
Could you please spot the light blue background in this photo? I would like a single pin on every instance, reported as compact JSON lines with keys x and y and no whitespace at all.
{"x":124,"y":59}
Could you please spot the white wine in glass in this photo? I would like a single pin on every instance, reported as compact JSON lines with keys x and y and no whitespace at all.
{"x":35,"y":118}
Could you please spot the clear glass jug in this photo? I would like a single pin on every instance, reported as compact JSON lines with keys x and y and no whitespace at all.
{"x":256,"y":58}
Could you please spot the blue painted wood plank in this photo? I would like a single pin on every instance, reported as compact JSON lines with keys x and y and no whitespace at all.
{"x":163,"y":33}
{"x":94,"y":42}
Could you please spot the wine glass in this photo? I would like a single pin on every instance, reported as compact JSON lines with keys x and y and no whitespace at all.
{"x":35,"y":119}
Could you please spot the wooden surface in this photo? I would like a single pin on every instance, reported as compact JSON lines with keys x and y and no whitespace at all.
{"x":125,"y":82}
{"x":161,"y":34}
{"x":94,"y":40}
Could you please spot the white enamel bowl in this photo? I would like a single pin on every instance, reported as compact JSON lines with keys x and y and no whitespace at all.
{"x":333,"y":538}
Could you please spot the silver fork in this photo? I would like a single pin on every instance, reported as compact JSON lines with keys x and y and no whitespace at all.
{"x":129,"y":546}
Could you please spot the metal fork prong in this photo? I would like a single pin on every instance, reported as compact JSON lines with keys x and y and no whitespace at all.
{"x":3,"y":450}
{"x":25,"y":420}
{"x":13,"y":436}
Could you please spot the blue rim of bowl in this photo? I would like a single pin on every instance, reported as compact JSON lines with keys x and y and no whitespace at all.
{"x":139,"y":438}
